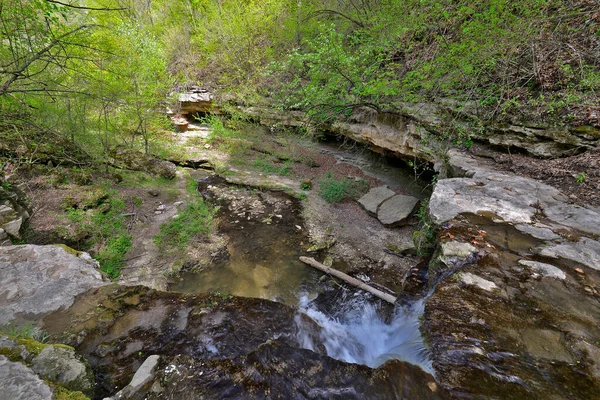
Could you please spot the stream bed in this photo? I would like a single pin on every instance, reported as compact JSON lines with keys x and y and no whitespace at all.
{"x":266,"y":236}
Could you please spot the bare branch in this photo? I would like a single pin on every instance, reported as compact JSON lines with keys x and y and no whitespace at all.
{"x":86,"y":8}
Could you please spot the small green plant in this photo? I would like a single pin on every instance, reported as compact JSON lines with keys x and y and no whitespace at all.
{"x":104,"y":227}
{"x":580,"y":177}
{"x":267,"y":167}
{"x":195,"y":219}
{"x":25,"y":331}
{"x":424,"y":237}
{"x":335,"y":190}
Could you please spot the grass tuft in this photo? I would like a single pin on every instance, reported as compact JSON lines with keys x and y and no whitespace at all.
{"x":335,"y":190}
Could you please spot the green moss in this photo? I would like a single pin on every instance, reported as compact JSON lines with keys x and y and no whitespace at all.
{"x":68,"y":249}
{"x":61,"y":393}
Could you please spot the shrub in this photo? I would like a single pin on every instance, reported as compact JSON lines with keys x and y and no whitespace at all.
{"x":195,"y":219}
{"x":335,"y":190}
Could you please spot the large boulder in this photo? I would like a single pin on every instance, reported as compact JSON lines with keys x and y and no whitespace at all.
{"x":515,"y":306}
{"x":138,"y":161}
{"x":62,"y":365}
{"x":37,"y":280}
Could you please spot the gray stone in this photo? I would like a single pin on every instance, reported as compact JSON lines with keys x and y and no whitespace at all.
{"x":13,"y":227}
{"x":143,"y":376}
{"x":17,"y":382}
{"x":373,"y":199}
{"x":396,"y":210}
{"x":457,"y":249}
{"x":3,"y":234}
{"x":574,"y":216}
{"x":547,"y":270}
{"x":37,"y":280}
{"x":471,"y":279}
{"x":586,"y":251}
{"x":537,"y":232}
{"x":63,"y":365}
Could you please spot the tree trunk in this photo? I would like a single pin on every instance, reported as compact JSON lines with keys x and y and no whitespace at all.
{"x":348,"y":279}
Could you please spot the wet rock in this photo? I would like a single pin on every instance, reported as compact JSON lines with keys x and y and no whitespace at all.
{"x":586,"y":251}
{"x":144,"y":375}
{"x":499,"y":324}
{"x":276,"y":370}
{"x":545,"y":269}
{"x":20,"y":383}
{"x":116,"y":334}
{"x":537,"y":232}
{"x":374,"y":197}
{"x":37,"y":280}
{"x":63,"y":365}
{"x":396,"y":210}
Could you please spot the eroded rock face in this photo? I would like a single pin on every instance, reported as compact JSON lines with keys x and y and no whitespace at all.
{"x":515,"y":309}
{"x":117,"y":328}
{"x":37,"y":280}
{"x":14,"y":212}
{"x":402,"y":129}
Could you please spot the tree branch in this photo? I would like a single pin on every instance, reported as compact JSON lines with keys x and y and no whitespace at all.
{"x":86,"y":8}
{"x":18,"y":72}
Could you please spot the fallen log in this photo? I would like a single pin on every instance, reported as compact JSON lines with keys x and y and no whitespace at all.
{"x":348,"y":279}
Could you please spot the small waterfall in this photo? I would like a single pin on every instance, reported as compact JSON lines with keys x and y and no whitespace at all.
{"x":360,"y":335}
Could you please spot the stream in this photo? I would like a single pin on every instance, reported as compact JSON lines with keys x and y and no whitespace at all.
{"x":266,"y":237}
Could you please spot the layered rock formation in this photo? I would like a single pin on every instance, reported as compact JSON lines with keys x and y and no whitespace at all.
{"x":516,"y":304}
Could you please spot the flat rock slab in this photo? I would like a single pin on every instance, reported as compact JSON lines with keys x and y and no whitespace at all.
{"x":373,"y":199}
{"x":37,"y":280}
{"x":396,"y":210}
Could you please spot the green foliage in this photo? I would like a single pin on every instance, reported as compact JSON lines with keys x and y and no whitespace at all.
{"x":581,"y":177}
{"x":268,"y":167}
{"x":424,"y":237}
{"x":102,"y":221}
{"x":195,"y":219}
{"x":25,"y":331}
{"x":335,"y":190}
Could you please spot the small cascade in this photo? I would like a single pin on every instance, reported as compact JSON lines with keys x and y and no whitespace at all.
{"x":360,"y":334}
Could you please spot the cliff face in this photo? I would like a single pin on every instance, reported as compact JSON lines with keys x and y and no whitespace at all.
{"x":423,"y":130}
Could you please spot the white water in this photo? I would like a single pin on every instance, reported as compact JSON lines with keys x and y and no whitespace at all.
{"x":361,"y":336}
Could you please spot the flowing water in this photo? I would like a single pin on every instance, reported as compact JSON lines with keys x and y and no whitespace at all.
{"x":262,"y":261}
{"x":358,"y":333}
